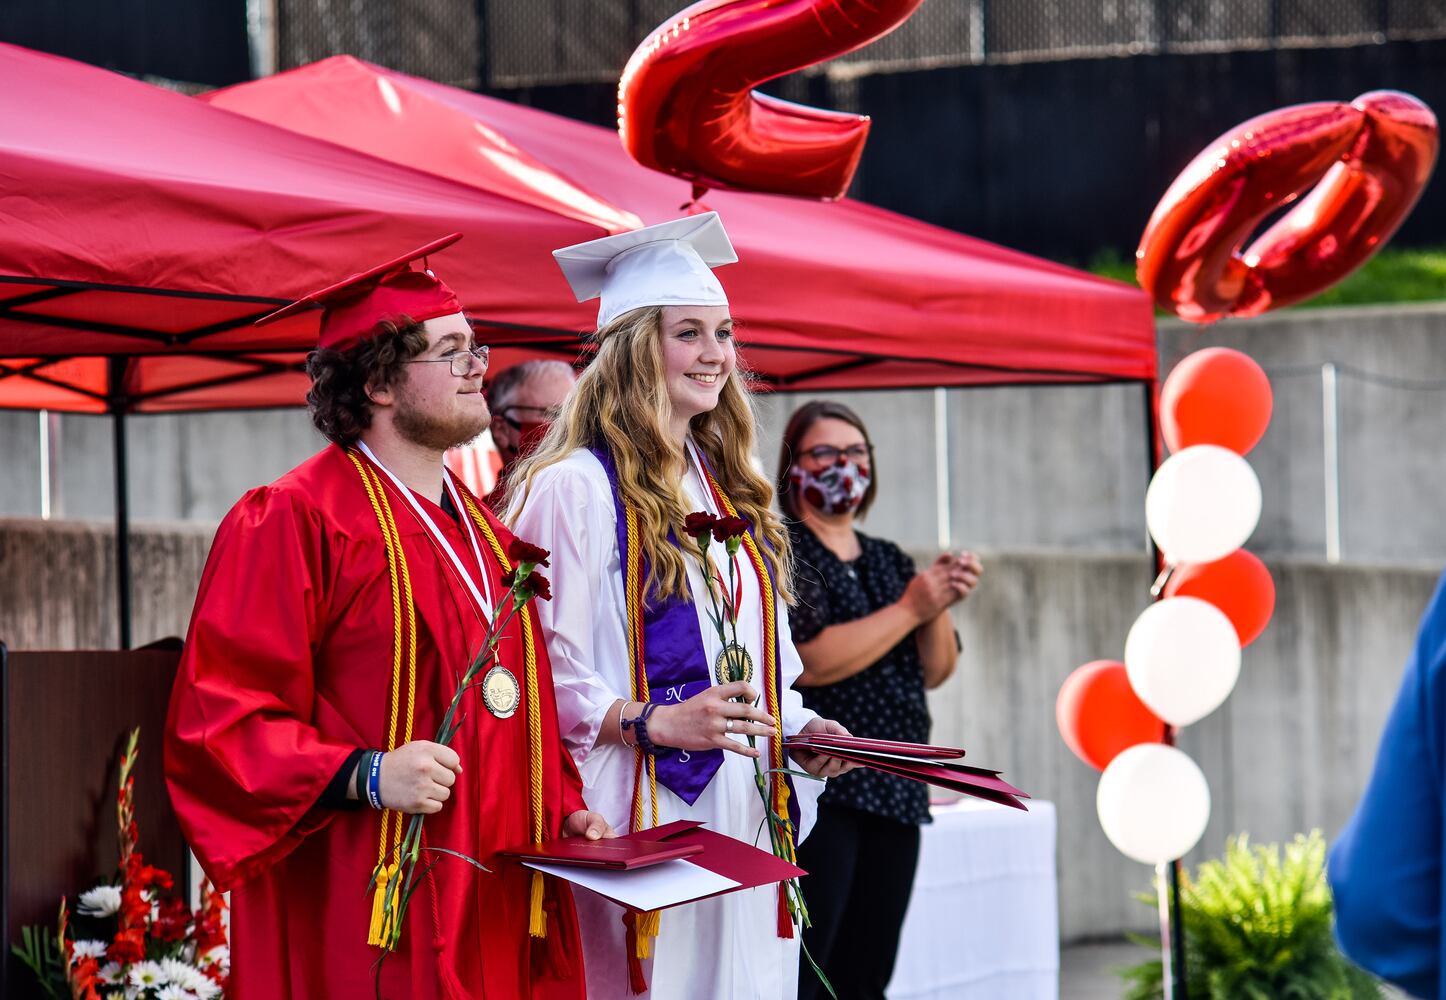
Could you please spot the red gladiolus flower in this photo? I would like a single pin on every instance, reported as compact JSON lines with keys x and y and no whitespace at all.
{"x":128,"y":947}
{"x":731,"y":526}
{"x":525,"y":552}
{"x":699,"y":524}
{"x":171,"y":920}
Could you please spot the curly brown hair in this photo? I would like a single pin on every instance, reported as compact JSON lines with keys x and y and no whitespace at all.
{"x":340,"y":407}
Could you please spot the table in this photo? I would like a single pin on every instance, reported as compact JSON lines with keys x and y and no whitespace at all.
{"x":983,"y":922}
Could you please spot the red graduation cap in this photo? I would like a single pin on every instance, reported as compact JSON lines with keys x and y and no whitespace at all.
{"x":355,"y":306}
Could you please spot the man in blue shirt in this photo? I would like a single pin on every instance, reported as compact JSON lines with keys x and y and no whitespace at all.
{"x":1386,"y":868}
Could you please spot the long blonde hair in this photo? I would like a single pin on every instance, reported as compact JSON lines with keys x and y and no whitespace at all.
{"x":621,"y":403}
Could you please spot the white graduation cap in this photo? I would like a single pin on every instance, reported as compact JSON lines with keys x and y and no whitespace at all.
{"x":670,"y":264}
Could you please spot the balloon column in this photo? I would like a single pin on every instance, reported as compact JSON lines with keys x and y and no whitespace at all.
{"x":1364,"y":165}
{"x":1182,"y":655}
{"x":686,"y":104}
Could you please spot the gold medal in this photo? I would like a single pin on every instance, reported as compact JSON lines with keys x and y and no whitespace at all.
{"x":501,"y":692}
{"x":733,"y":664}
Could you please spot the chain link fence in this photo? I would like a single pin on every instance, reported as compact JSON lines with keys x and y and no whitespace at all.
{"x":506,"y":44}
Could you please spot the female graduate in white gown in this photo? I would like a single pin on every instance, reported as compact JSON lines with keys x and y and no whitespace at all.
{"x":662,"y":402}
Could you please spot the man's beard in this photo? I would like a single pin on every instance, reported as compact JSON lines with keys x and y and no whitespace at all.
{"x":435,"y":433}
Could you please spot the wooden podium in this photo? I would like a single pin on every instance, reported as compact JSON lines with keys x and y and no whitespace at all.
{"x":64,"y":718}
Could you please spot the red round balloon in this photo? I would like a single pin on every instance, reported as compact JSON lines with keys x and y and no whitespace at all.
{"x":686,"y":104}
{"x":1215,"y":396}
{"x":1100,"y":716}
{"x":1238,"y":585}
{"x":1364,"y":165}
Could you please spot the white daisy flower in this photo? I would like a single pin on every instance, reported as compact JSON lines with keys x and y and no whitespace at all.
{"x":147,"y":975}
{"x":90,"y":948}
{"x":175,"y":992}
{"x":219,"y":955}
{"x":185,"y":975}
{"x":102,"y":901}
{"x":110,"y":974}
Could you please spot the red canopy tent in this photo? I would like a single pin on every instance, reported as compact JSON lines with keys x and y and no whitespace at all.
{"x":832,"y":296}
{"x":142,"y":231}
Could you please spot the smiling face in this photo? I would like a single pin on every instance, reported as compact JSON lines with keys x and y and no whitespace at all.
{"x":430,"y":406}
{"x":698,"y":358}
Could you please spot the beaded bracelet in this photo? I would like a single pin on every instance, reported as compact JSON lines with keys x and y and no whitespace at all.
{"x":374,"y":781}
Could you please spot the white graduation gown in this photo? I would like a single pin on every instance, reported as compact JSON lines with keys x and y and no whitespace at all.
{"x":727,"y":947}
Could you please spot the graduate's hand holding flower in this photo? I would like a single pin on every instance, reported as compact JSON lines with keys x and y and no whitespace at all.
{"x":588,"y":825}
{"x":418,"y":777}
{"x":820,"y":765}
{"x":709,"y":720}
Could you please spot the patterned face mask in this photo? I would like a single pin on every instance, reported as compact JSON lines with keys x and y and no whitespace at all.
{"x":837,"y":489}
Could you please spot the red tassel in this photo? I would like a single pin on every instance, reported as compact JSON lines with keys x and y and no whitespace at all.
{"x":785,"y":919}
{"x":637,"y":981}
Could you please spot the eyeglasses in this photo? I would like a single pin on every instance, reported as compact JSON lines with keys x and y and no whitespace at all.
{"x":830,"y":455}
{"x":544,"y":414}
{"x":461,"y":362}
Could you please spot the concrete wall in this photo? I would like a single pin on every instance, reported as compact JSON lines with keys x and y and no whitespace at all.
{"x":1057,"y":467}
{"x":1289,"y":751}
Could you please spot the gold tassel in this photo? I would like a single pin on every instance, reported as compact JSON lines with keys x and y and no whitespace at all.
{"x":377,"y":933}
{"x":647,"y":931}
{"x":537,"y":919}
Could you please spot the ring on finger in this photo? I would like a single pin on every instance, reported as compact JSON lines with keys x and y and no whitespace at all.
{"x":728,"y":726}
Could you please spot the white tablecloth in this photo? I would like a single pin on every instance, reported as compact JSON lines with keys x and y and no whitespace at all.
{"x":983,"y":922}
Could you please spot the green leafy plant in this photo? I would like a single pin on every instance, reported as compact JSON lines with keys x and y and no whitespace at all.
{"x":1257,"y":926}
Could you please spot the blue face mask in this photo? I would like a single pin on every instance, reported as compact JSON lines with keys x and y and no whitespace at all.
{"x":837,"y":489}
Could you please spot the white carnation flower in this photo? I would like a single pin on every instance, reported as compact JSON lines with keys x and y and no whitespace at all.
{"x":147,"y":975}
{"x":90,"y":948}
{"x":102,"y":901}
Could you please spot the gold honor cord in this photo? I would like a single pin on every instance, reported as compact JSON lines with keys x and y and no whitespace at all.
{"x":537,"y":918}
{"x":646,"y":924}
{"x":378,"y":933}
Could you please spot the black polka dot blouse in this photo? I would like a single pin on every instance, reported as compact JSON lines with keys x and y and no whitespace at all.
{"x":884,"y":700}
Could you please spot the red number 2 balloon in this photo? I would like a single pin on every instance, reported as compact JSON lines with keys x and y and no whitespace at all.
{"x":1368,"y":161}
{"x":686,"y":104}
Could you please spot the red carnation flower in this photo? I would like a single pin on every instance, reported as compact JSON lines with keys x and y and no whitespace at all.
{"x":525,"y":552}
{"x":699,"y":524}
{"x":509,"y":578}
{"x":731,"y":526}
{"x":539,"y":585}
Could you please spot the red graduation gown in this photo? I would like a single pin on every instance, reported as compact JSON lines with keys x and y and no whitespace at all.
{"x":286,"y":670}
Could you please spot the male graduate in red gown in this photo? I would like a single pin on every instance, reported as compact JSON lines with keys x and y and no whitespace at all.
{"x":338,"y":608}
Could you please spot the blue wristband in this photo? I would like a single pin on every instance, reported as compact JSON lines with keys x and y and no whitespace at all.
{"x":374,"y":781}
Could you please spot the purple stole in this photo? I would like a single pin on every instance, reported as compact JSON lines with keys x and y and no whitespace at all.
{"x":674,"y":660}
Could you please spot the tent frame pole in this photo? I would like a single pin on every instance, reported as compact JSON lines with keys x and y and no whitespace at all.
{"x":1172,"y":933}
{"x":117,"y":404}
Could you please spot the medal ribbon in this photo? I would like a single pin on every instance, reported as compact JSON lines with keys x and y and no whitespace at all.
{"x":405,"y":638}
{"x":484,"y":604}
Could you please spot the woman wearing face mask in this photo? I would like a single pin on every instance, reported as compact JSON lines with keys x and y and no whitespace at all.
{"x":658,"y":427}
{"x":873,"y":634}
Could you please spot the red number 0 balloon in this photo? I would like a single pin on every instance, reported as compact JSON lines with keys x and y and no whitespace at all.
{"x":1368,"y":161}
{"x":686,"y":104}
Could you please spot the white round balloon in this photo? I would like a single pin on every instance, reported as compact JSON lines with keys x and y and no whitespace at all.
{"x":1182,"y":657}
{"x":1153,"y":803}
{"x":1203,"y":504}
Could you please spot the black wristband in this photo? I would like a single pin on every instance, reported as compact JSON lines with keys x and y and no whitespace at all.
{"x":334,"y":795}
{"x":361,"y":775}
